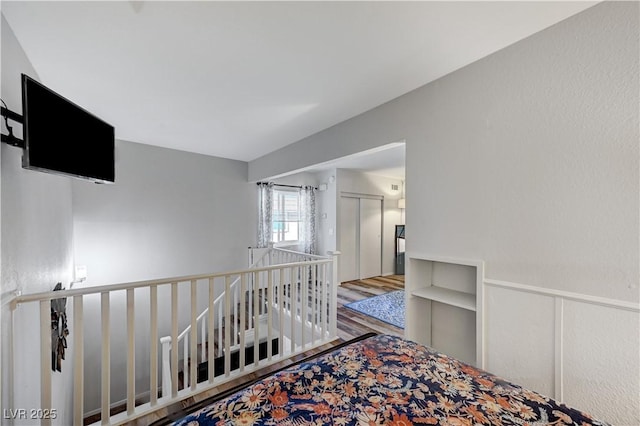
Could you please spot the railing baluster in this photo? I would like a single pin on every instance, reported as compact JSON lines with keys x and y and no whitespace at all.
{"x":210,"y":341}
{"x":220,"y":342}
{"x":194,"y":334}
{"x":252,"y":290}
{"x":265,"y":302}
{"x":263,"y":295}
{"x":45,"y":358}
{"x":289,"y":290}
{"x":304,"y":299}
{"x":153,"y":347}
{"x":174,"y":340}
{"x":78,"y":361}
{"x":167,"y":369}
{"x":327,"y":286}
{"x":333,"y":296}
{"x":269,"y":314}
{"x":323,"y":302}
{"x":106,"y":359}
{"x":227,"y":325}
{"x":185,"y":362}
{"x":243,"y":313}
{"x":281,"y":309}
{"x":292,"y":306}
{"x":236,"y":336}
{"x":131,"y":352}
{"x":203,"y":340}
{"x":314,"y":303}
{"x":256,"y":321}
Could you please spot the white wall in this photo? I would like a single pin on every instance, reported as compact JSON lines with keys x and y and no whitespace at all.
{"x":170,"y":213}
{"x":529,"y":160}
{"x":327,"y":205}
{"x":36,"y":250}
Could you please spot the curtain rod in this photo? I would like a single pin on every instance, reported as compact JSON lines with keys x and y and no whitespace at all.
{"x":286,"y":186}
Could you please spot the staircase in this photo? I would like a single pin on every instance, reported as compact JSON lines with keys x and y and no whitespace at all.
{"x":284,"y":297}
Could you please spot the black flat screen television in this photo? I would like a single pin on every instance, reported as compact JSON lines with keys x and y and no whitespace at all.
{"x":61,"y":137}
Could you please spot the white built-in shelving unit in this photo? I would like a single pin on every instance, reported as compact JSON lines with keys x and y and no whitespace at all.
{"x":444,"y":305}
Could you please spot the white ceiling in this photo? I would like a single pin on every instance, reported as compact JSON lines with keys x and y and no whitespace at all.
{"x":241,"y":79}
{"x":387,"y":160}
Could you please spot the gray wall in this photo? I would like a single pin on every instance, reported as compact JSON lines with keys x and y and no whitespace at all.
{"x":36,"y":245}
{"x":170,"y":213}
{"x":527,"y":159}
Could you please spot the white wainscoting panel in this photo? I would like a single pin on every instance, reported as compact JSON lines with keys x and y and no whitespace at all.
{"x":580,"y":349}
{"x":519,"y":330}
{"x":601,"y":361}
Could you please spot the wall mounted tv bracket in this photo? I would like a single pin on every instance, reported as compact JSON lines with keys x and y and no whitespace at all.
{"x":10,"y":138}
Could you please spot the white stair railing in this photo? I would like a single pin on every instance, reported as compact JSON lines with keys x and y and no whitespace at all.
{"x":316,"y":304}
{"x":254,"y":289}
{"x":202,"y":320}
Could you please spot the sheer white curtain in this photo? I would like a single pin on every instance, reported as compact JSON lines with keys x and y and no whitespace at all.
{"x":308,"y":238}
{"x":307,"y":231}
{"x":265,"y":210}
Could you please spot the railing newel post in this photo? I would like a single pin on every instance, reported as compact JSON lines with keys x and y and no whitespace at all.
{"x":166,"y":366}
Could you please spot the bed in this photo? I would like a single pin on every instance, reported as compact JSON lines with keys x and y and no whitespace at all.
{"x":383,"y":379}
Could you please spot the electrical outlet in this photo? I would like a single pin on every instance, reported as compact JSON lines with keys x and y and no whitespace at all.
{"x":81,"y":273}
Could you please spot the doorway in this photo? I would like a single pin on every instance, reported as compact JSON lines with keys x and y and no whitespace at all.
{"x":360,"y":237}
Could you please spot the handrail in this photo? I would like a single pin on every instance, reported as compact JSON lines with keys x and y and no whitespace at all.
{"x":310,"y":256}
{"x":217,"y":300}
{"x":50,"y":295}
{"x":291,"y":257}
{"x":235,"y":282}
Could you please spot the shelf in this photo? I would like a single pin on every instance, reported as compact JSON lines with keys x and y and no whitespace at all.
{"x":450,"y":297}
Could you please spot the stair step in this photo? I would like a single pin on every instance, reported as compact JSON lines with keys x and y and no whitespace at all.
{"x":203,"y":367}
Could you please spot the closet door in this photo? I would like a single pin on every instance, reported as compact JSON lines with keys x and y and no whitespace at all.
{"x":360,"y":238}
{"x":370,"y":228}
{"x":348,"y":260}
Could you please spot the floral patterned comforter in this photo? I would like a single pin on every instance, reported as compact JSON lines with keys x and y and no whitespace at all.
{"x":386,"y":380}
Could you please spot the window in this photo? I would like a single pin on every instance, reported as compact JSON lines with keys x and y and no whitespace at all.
{"x":286,"y":217}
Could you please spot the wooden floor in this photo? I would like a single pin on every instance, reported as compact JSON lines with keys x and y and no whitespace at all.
{"x":350,"y":324}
